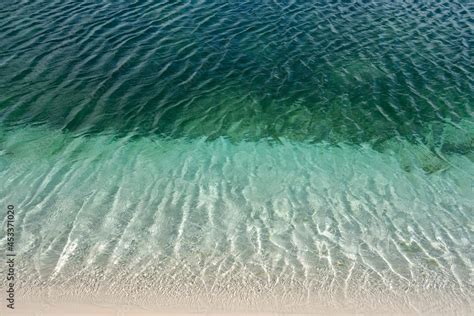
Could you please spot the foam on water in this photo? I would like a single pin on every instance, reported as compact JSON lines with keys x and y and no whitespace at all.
{"x":217,"y":222}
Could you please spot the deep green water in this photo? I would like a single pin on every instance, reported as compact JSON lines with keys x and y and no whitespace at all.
{"x":351,"y":72}
{"x":304,"y":147}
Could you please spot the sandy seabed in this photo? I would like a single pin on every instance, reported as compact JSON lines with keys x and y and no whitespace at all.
{"x":57,"y":302}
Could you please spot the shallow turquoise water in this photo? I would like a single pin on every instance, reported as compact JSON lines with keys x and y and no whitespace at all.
{"x":307,"y":150}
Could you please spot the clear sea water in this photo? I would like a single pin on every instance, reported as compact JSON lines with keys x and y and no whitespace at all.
{"x":245,"y":154}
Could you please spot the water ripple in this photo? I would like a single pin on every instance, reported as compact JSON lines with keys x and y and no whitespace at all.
{"x":361,"y":70}
{"x":290,"y":154}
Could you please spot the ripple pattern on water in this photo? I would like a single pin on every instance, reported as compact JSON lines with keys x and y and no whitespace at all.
{"x":304,"y":70}
{"x":276,"y":155}
{"x":284,"y":227}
